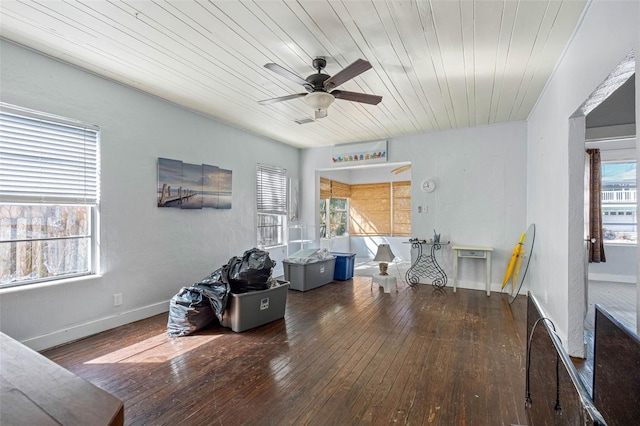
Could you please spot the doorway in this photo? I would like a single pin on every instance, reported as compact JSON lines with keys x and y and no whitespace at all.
{"x":613,"y":283}
{"x":579,"y":133}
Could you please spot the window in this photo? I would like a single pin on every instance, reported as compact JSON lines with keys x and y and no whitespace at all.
{"x":48,"y":198}
{"x":271,"y":201}
{"x":619,"y":202}
{"x":334,"y":219}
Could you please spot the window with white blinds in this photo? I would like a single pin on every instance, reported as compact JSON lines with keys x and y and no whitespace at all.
{"x":49,"y":195}
{"x":45,"y":161}
{"x":271,"y":202}
{"x":271,"y":187}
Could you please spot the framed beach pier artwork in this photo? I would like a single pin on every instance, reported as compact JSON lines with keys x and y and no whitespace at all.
{"x":216,"y":187}
{"x":193,"y":186}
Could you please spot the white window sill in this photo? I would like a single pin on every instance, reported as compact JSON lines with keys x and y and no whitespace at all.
{"x":50,"y":283}
{"x":335,"y":238}
{"x":616,"y":244}
{"x":267,"y":248}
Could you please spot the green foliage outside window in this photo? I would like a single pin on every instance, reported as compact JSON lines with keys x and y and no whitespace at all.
{"x":335,"y":219}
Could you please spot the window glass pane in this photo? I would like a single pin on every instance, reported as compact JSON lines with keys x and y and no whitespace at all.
{"x":339,"y":216}
{"x":44,"y":221}
{"x":619,"y":202}
{"x":270,"y":230}
{"x":39,"y":242}
{"x":338,"y":229}
{"x":339,"y":203}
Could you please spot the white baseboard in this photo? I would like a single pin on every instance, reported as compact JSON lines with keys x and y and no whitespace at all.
{"x":80,"y":331}
{"x":474,"y":285}
{"x":631,"y":279}
{"x":496,"y":288}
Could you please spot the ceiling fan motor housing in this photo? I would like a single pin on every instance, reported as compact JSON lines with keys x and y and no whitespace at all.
{"x":317,"y":82}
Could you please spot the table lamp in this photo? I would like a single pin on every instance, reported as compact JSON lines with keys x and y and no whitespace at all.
{"x":383,"y":256}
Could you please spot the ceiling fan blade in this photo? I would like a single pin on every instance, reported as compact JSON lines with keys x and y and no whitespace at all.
{"x":286,"y":73}
{"x":321,"y":113}
{"x":401,"y":169}
{"x":351,"y":71}
{"x":281,"y":98}
{"x":357,"y":97}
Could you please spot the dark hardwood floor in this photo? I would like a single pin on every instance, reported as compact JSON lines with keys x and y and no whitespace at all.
{"x":342,"y":355}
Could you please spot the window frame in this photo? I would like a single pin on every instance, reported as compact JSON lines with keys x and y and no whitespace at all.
{"x":73,"y":182}
{"x":327,"y":212}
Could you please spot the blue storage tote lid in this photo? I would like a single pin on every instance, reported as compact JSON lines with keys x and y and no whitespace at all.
{"x":337,"y":253}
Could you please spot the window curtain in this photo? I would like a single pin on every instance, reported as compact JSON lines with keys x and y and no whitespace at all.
{"x":325,"y":188}
{"x":332,"y":188}
{"x":340,"y":190}
{"x":596,"y":249}
{"x":401,"y":199}
{"x":369,"y":209}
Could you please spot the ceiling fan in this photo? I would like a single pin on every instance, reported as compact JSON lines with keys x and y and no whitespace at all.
{"x":320,"y":87}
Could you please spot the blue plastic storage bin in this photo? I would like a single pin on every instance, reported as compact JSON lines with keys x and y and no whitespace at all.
{"x":344,"y":266}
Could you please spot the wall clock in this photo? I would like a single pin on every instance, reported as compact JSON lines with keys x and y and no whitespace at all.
{"x":428,"y":185}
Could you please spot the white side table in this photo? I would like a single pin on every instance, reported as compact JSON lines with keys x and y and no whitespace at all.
{"x":474,"y":253}
{"x":386,"y":281}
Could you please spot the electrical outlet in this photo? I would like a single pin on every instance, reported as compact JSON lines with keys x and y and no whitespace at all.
{"x":117,"y":299}
{"x":419,"y":209}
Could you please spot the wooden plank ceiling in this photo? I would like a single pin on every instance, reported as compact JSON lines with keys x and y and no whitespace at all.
{"x":437,"y":64}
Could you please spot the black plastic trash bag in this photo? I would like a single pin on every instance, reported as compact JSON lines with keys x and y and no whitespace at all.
{"x":189,"y":310}
{"x":217,"y":292}
{"x":252,"y":272}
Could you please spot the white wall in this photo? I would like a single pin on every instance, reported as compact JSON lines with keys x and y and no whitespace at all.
{"x":608,"y":32}
{"x":480,"y":199}
{"x":148,"y":253}
{"x":621,"y":264}
{"x":637,"y":50}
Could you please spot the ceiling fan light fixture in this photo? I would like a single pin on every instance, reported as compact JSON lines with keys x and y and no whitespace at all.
{"x":319,"y":100}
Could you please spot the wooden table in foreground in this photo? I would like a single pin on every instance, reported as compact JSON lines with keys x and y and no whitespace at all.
{"x":37,"y":391}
